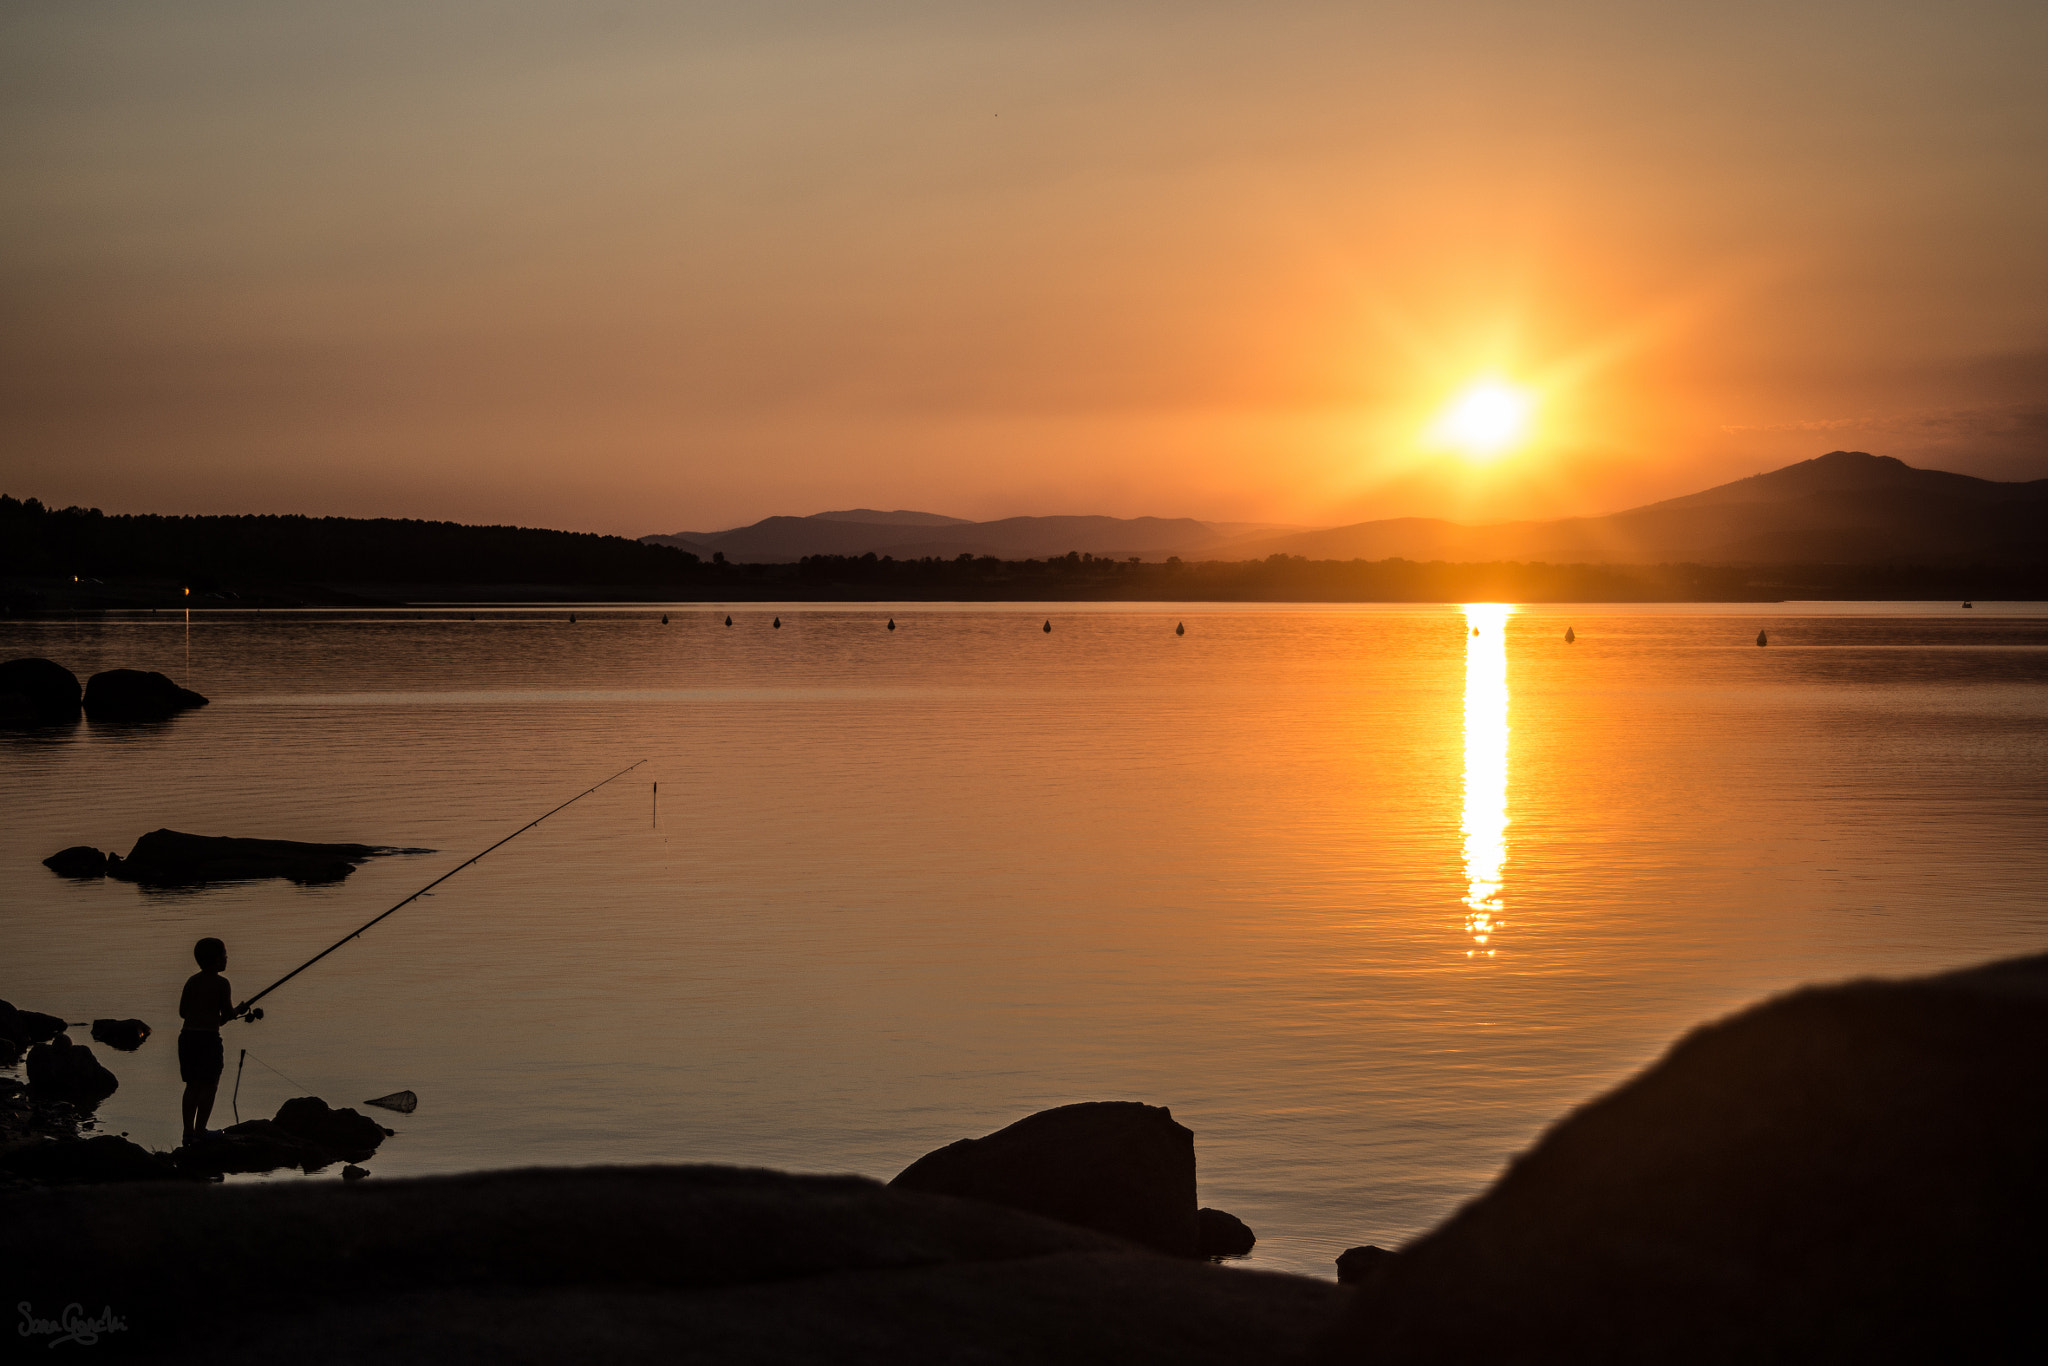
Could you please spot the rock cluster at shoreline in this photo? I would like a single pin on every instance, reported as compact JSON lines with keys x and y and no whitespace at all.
{"x":42,"y":692}
{"x":1844,"y":1174}
{"x":172,"y":858}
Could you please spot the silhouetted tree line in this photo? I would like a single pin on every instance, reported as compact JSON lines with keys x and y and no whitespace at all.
{"x":36,"y":541}
{"x":209,"y":552}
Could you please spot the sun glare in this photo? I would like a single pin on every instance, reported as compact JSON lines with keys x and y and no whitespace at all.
{"x":1488,"y":419}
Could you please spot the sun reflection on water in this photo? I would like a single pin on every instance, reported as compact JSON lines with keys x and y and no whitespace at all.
{"x":1485,"y":822}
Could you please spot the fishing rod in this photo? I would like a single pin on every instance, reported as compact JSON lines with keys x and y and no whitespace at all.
{"x":243,"y":1008}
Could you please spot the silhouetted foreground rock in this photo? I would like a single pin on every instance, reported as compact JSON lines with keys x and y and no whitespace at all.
{"x":1119,"y":1167}
{"x":665,"y":1264}
{"x":171,"y":858}
{"x":28,"y":1026}
{"x":80,"y":1161}
{"x":1845,"y":1174}
{"x":37,"y":691}
{"x":80,"y":860}
{"x":65,"y":1070}
{"x":1357,"y":1265}
{"x":305,"y":1134}
{"x":136,"y":695}
{"x":126,"y":1035}
{"x":1218,"y":1234}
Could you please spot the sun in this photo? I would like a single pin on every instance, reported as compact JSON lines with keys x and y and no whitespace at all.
{"x":1487,"y":419}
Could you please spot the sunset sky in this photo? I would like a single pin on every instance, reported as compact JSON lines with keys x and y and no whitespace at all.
{"x":641,"y":267}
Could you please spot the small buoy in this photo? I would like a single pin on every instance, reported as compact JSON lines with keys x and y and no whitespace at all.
{"x":1568,"y":636}
{"x":1762,"y":639}
{"x":1047,"y":628}
{"x":572,"y":618}
{"x":728,"y":621}
{"x":1969,"y":604}
{"x":892,"y":623}
{"x":1181,"y":629}
{"x":664,"y":618}
{"x":778,"y":623}
{"x":1475,"y":630}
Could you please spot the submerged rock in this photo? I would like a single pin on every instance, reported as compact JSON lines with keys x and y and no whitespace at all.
{"x":126,"y":1035}
{"x":1844,"y":1174}
{"x":1118,"y":1167}
{"x":136,"y":695}
{"x":80,"y":860}
{"x":64,"y":1070}
{"x":36,"y":691}
{"x":171,"y":858}
{"x":103,"y":1157}
{"x":1218,"y":1234}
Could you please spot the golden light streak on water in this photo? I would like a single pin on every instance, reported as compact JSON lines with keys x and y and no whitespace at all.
{"x":1485,"y":822}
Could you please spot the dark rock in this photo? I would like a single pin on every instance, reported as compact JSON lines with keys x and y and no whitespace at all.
{"x":1222,"y":1235}
{"x":80,"y":860}
{"x":353,"y":1173}
{"x":64,"y":1070}
{"x":1360,"y":1265}
{"x":28,"y":1026}
{"x":254,"y":1145}
{"x":10,"y":1051}
{"x":103,"y":1157}
{"x":1845,"y":1174}
{"x":347,"y":1134}
{"x":633,"y":1265}
{"x":36,"y":691}
{"x":1119,"y":1167}
{"x":126,"y":1035}
{"x":136,"y":695}
{"x":171,"y":858}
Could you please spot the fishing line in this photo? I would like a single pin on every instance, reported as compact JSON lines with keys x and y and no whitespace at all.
{"x":235,"y":1101}
{"x":358,"y":932}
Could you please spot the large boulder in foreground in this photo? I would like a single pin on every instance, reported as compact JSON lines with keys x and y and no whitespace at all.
{"x":1119,"y":1167}
{"x":632,"y":1265}
{"x":136,"y":695}
{"x":37,"y":691}
{"x":171,"y":858}
{"x":89,"y":1161}
{"x":1846,"y":1174}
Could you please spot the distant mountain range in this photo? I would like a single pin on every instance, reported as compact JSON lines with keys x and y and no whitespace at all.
{"x":1845,"y":507}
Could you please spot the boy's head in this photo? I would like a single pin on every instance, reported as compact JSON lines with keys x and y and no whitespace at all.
{"x":210,"y":954}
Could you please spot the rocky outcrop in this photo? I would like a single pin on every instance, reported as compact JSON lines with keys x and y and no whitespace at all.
{"x":136,"y":695}
{"x":28,"y":1026}
{"x":171,"y":858}
{"x":1845,"y":1174}
{"x":126,"y":1035}
{"x":1119,"y":1167}
{"x":37,"y":692}
{"x":348,"y":1134}
{"x":80,"y":860}
{"x":73,"y":1161}
{"x":1360,"y":1265}
{"x":1218,"y":1234}
{"x":633,"y":1265}
{"x":305,"y":1134}
{"x":63,"y":1070}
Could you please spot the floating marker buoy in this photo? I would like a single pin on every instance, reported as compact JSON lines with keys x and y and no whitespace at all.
{"x":1568,"y":636}
{"x":1969,"y":604}
{"x":1475,"y":630}
{"x":1762,"y":639}
{"x":778,"y":623}
{"x":1048,"y":628}
{"x":892,"y":623}
{"x":572,"y":618}
{"x":728,"y":621}
{"x":664,"y":618}
{"x":1181,"y":629}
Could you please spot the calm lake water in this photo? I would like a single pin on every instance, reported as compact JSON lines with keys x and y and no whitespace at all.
{"x":1367,"y":899}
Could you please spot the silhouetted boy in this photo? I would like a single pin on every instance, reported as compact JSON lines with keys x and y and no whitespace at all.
{"x":208,"y":1003}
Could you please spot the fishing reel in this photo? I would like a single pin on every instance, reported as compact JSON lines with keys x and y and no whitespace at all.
{"x":252,"y":1016}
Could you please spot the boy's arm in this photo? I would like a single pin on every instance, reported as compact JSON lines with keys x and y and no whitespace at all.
{"x":228,"y":1009}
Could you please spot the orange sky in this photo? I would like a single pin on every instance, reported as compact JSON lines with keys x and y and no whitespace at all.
{"x":645,"y":267}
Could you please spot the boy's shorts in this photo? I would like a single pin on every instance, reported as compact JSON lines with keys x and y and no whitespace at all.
{"x":200,"y":1058}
